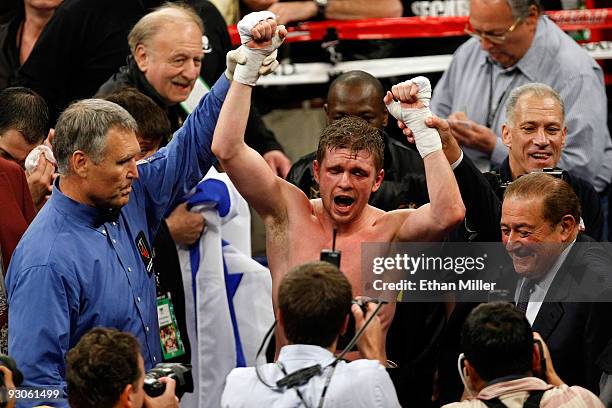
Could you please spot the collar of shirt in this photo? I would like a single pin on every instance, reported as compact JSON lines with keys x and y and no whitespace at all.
{"x":308,"y":352}
{"x":532,"y":60}
{"x":522,"y":384}
{"x":531,"y":63}
{"x":82,"y":213}
{"x":541,"y":287}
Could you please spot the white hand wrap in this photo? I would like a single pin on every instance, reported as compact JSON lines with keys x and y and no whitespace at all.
{"x":237,"y":56}
{"x":427,"y":139}
{"x":259,"y":61}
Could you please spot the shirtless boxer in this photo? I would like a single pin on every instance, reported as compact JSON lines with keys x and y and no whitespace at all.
{"x":297,"y":229}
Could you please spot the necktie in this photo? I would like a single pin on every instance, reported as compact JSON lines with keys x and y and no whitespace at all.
{"x":526,"y":291}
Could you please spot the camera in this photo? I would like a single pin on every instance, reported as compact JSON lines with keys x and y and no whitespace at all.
{"x":17,"y":378}
{"x":362,"y":302}
{"x":181,"y":373}
{"x":500,"y":187}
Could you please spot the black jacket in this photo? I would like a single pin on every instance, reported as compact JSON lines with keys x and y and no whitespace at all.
{"x":9,"y":54}
{"x":82,"y":45}
{"x":479,"y":193}
{"x":404,"y":185}
{"x":577,"y":332}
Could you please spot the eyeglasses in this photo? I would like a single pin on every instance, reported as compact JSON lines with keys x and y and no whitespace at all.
{"x":493,"y":38}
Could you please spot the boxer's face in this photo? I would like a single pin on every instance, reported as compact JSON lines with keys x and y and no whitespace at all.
{"x":346,"y":181}
{"x":505,"y":38}
{"x":171,"y":60}
{"x":536,"y":136}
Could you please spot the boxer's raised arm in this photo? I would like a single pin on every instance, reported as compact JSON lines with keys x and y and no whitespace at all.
{"x":246,"y":168}
{"x":432,"y":221}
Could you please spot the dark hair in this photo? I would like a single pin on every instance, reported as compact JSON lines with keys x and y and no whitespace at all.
{"x":558,"y":197}
{"x":100,"y":366}
{"x":314,"y":299}
{"x":153,"y":123}
{"x":497,"y":341}
{"x":359,"y":79}
{"x":26,"y":111}
{"x":355,"y":134}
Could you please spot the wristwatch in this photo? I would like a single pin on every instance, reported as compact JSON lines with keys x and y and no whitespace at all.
{"x":321,"y":6}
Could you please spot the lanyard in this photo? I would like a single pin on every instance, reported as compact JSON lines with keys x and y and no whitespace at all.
{"x":327,"y":381}
{"x":493,"y":111}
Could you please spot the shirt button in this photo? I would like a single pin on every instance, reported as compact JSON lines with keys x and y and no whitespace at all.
{"x":138,"y":298}
{"x":114,"y":223}
{"x":147,"y":329}
{"x":154,"y":359}
{"x":114,"y":241}
{"x":104,"y":232}
{"x":129,"y":269}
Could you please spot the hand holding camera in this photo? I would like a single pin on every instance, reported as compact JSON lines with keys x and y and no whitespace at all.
{"x":167,"y":399}
{"x":371,"y":344}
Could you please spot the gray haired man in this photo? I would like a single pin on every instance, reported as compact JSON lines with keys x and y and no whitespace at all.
{"x":86,"y":260}
{"x":512,"y":44}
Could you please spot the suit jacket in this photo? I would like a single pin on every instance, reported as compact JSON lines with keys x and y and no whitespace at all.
{"x":482,"y":206}
{"x":577,"y":332}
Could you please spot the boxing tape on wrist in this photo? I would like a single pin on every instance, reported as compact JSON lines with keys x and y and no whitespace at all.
{"x":427,"y":139}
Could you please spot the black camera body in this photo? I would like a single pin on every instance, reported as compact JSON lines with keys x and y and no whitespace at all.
{"x":500,"y":187}
{"x":181,"y":373}
{"x":362,"y":302}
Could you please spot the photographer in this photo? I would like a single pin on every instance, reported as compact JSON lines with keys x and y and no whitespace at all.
{"x":501,"y":362}
{"x":314,"y":302}
{"x":105,"y":369}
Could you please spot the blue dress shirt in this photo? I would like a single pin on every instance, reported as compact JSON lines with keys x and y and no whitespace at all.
{"x":69,"y":275}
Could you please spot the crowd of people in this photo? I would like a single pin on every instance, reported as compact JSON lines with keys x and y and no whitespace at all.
{"x":112,"y":112}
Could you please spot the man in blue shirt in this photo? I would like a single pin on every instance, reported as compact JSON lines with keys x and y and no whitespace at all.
{"x":86,"y":260}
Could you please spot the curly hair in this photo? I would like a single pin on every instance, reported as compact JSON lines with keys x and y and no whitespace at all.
{"x":355,"y":134}
{"x":100,"y":366}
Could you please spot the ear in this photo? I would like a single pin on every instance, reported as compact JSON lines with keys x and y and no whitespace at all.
{"x":385,"y":118}
{"x":141,"y":57}
{"x":472,"y":376}
{"x":532,"y":18}
{"x":468,"y":370}
{"x":379,"y":178}
{"x":80,"y":163}
{"x":344,"y":327}
{"x":315,"y":168}
{"x":568,"y":227}
{"x":506,"y":137}
{"x":125,"y":398}
{"x":280,"y":321}
{"x":563,"y":136}
{"x":536,"y":369}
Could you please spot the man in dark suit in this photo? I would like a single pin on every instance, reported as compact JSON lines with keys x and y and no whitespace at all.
{"x":563,"y":275}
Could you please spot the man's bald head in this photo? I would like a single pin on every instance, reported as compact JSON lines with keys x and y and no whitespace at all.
{"x":357,"y":93}
{"x":149,"y":25}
